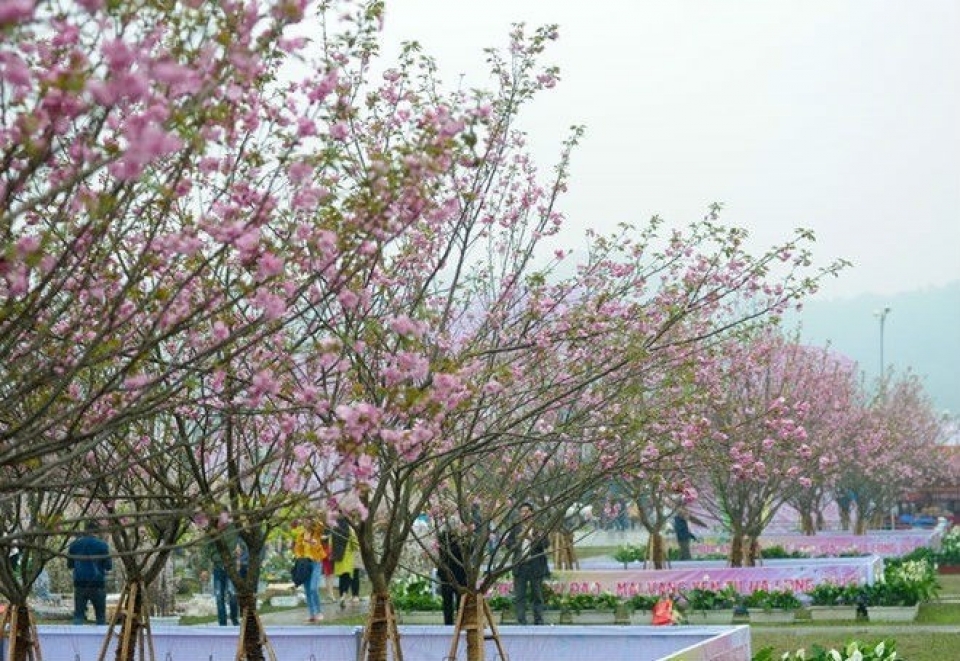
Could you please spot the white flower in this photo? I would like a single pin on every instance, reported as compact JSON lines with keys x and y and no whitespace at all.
{"x":878,"y":651}
{"x":856,"y":656}
{"x":835,"y":655}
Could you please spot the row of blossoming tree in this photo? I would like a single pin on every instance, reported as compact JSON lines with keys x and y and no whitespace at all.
{"x":769,"y":422}
{"x":243,"y":273}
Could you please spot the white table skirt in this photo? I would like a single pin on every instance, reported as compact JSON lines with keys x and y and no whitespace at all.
{"x":421,"y":643}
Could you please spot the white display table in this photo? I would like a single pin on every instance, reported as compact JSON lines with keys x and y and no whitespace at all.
{"x":422,"y":643}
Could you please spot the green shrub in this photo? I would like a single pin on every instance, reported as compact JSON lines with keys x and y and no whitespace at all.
{"x":642,"y":602}
{"x":904,"y":583}
{"x":552,"y":600}
{"x":414,"y":593}
{"x":709,"y":600}
{"x":778,"y":552}
{"x":500,"y":602}
{"x":949,"y":553}
{"x":831,"y":594}
{"x":578,"y":602}
{"x":767,"y":599}
{"x":606,"y":601}
{"x":630,"y":553}
{"x":587,"y":601}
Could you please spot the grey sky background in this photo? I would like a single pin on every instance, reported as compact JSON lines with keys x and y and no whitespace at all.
{"x":842,"y":116}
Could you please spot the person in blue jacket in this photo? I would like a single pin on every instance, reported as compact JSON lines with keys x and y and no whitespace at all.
{"x":89,"y":558}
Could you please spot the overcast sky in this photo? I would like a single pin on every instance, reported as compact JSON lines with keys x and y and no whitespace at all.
{"x":842,"y":116}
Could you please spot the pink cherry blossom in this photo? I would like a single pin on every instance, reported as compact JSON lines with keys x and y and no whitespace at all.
{"x":16,"y":11}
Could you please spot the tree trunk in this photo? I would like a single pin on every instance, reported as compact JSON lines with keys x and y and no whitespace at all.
{"x":253,"y":634}
{"x":821,"y":523}
{"x":844,"y":509}
{"x":752,"y":551}
{"x":23,"y":643}
{"x":658,"y":550}
{"x":860,"y":523}
{"x":736,"y":550}
{"x":131,"y":623}
{"x":379,"y":631}
{"x":807,"y":525}
{"x":472,"y":607}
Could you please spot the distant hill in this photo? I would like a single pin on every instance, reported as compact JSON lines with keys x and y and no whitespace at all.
{"x":921,"y":332}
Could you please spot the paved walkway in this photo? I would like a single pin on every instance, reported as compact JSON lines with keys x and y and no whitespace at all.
{"x":332,"y":614}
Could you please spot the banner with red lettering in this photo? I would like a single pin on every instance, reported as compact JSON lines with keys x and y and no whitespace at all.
{"x":797,"y":576}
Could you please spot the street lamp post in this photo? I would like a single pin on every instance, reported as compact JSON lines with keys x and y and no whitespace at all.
{"x":882,"y":314}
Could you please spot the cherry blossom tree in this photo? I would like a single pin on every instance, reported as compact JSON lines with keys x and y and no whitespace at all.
{"x":836,"y":412}
{"x":145,"y":497}
{"x":32,"y":527}
{"x":312,"y":279}
{"x":753,"y":460}
{"x":666,"y":424}
{"x":169,"y":204}
{"x":893,"y":450}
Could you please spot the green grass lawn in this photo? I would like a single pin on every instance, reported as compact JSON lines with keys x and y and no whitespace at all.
{"x":949,"y":584}
{"x":595,"y":551}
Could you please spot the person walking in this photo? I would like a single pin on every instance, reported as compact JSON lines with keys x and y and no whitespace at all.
{"x":681,"y":528}
{"x":224,"y":591}
{"x":329,"y":578}
{"x":89,"y":558}
{"x":308,"y":543}
{"x":529,"y":547}
{"x":451,"y":572}
{"x":345,"y":547}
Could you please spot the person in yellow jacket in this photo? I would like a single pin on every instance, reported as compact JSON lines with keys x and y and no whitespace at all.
{"x":308,"y":543}
{"x":345,"y":547}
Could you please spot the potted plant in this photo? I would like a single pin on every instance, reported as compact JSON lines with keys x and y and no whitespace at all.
{"x":414,"y":601}
{"x":640,"y":607}
{"x":503,"y":604}
{"x":552,"y":604}
{"x":711,"y":606}
{"x":830,"y":601}
{"x":587,"y":608}
{"x":897,"y":595}
{"x":772,"y":606}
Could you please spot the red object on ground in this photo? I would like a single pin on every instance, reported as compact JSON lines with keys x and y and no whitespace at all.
{"x":663,"y":612}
